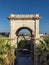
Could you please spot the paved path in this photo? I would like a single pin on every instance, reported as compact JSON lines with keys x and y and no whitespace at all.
{"x":24,"y":61}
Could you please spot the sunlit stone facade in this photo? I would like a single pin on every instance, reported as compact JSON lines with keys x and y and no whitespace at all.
{"x":29,"y":21}
{"x":21,"y":21}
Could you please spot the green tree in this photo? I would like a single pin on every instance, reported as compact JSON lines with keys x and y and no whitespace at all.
{"x":22,"y":44}
{"x":43,"y":48}
{"x":6,"y":52}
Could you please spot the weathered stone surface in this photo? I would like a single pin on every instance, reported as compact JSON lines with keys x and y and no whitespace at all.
{"x":30,"y":22}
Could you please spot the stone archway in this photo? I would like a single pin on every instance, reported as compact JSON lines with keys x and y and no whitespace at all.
{"x":25,"y":35}
{"x":30,"y":22}
{"x":23,"y":28}
{"x":25,"y":39}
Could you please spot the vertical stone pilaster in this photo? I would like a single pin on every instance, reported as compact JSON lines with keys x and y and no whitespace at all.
{"x":13,"y":37}
{"x":36,"y":31}
{"x":35,"y":59}
{"x":32,"y":51}
{"x":30,"y":21}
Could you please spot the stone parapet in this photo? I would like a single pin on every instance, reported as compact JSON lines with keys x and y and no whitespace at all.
{"x":22,"y":16}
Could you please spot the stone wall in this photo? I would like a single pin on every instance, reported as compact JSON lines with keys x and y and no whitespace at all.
{"x":29,"y":21}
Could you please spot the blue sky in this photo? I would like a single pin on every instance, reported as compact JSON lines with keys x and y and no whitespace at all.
{"x":8,"y":7}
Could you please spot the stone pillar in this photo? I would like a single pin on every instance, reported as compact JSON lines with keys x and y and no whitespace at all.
{"x":32,"y":51}
{"x":36,"y":62}
{"x":36,"y":37}
{"x":12,"y":36}
{"x":36,"y":30}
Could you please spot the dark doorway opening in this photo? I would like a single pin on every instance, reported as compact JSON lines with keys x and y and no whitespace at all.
{"x":24,"y":46}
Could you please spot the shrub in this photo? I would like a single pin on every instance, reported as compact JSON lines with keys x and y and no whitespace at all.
{"x":6,"y":52}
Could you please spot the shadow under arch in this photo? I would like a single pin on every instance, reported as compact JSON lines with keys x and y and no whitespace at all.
{"x":17,"y":32}
{"x":30,"y":44}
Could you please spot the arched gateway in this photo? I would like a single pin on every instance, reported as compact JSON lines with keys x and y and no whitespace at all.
{"x":30,"y":22}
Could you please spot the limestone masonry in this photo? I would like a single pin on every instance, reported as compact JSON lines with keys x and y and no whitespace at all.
{"x":19,"y":21}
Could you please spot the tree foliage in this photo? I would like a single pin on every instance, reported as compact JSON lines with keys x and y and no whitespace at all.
{"x":44,"y":48}
{"x":46,"y":39}
{"x":6,"y":52}
{"x":22,"y":44}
